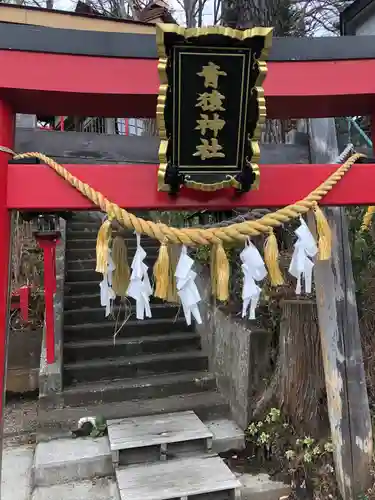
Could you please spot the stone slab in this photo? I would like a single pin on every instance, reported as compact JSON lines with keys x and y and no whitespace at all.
{"x":65,"y":460}
{"x":16,"y":480}
{"x":261,"y":487}
{"x":99,"y":489}
{"x":141,"y":432}
{"x":227,"y":435}
{"x":175,"y":479}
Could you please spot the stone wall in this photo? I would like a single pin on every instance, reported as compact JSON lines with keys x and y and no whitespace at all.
{"x":238,"y":355}
{"x":23,"y":360}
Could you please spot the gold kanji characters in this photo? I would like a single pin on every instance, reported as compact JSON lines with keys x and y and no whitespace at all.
{"x":211,"y":74}
{"x":210,"y":148}
{"x":215,"y":124}
{"x":211,"y":101}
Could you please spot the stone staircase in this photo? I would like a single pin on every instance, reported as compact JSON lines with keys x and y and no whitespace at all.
{"x":166,"y":421}
{"x":157,"y":361}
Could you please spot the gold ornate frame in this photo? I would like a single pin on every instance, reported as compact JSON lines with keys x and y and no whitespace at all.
{"x":161,"y":30}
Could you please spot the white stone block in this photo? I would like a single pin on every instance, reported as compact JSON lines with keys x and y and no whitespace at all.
{"x":16,"y":476}
{"x":98,"y":489}
{"x":261,"y":487}
{"x":65,"y":460}
{"x":227,"y":435}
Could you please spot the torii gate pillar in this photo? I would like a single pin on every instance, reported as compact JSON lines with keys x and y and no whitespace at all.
{"x":6,"y":139}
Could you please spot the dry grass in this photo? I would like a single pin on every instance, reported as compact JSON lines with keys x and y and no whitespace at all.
{"x":27,"y":269}
{"x":27,"y":264}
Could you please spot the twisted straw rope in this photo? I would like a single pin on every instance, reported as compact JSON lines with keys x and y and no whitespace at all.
{"x":196,"y":236}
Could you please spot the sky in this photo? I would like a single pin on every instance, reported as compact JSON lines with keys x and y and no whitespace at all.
{"x":179,"y":13}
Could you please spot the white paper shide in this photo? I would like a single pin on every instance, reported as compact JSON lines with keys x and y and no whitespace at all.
{"x":186,"y":287}
{"x":107,"y":295}
{"x":301,"y":265}
{"x":139,"y":287}
{"x":254,"y":270}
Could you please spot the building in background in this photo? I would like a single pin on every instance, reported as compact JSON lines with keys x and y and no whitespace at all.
{"x":358,"y":18}
{"x":155,"y":11}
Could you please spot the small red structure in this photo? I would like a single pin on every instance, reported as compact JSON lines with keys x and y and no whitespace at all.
{"x":20,"y":301}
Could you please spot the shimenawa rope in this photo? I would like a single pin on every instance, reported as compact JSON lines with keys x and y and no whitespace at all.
{"x":196,"y":236}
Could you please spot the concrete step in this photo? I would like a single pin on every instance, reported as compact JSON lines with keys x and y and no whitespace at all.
{"x":17,"y":481}
{"x":64,"y":460}
{"x":139,"y":440}
{"x":206,"y":478}
{"x":90,"y":264}
{"x":78,"y":275}
{"x":81,"y":225}
{"x":227,"y":435}
{"x":89,"y":252}
{"x":16,"y":473}
{"x":103,"y":488}
{"x":71,"y":460}
{"x":78,"y":265}
{"x":141,"y":388}
{"x":132,"y":328}
{"x":130,"y":346}
{"x":208,"y":405}
{"x":86,"y":217}
{"x":94,"y":314}
{"x":92,"y":301}
{"x":134,"y":366}
{"x":73,"y":234}
{"x":90,"y":243}
{"x":81,"y":287}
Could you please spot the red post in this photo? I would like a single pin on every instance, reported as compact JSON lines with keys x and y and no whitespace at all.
{"x":6,"y":139}
{"x":24,"y":302}
{"x":49,"y":251}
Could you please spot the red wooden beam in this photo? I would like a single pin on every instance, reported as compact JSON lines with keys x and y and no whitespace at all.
{"x":55,"y":84}
{"x":135,"y":187}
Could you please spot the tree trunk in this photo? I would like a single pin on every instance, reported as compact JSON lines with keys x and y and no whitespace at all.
{"x":301,"y":378}
{"x":297,"y":385}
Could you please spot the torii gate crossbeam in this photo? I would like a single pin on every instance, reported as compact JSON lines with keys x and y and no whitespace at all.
{"x":280,"y":185}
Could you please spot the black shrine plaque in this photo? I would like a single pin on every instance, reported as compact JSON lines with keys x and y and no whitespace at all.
{"x":211,"y":104}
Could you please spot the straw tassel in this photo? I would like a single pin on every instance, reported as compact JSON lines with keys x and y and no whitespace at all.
{"x":213,"y":270}
{"x":121,"y":274}
{"x":367,"y":219}
{"x":324,"y":234}
{"x":161,"y":273}
{"x":220,"y":272}
{"x":271,"y":257}
{"x":102,"y":243}
{"x":174,"y":253}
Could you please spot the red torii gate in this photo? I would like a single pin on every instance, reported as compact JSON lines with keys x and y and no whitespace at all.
{"x":307,"y":78}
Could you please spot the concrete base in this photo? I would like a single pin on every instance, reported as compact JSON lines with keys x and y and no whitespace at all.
{"x":76,"y":457}
{"x":65,"y":460}
{"x":261,"y":487}
{"x":98,"y":489}
{"x":16,"y":479}
{"x":226,"y":435}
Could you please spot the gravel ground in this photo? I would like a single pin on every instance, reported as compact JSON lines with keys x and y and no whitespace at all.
{"x":20,"y":422}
